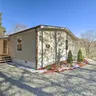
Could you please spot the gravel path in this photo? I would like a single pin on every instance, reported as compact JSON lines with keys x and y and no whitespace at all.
{"x":18,"y":82}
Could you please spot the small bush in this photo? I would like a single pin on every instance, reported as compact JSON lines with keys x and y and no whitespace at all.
{"x":70,"y":59}
{"x":48,"y":67}
{"x":80,"y":58}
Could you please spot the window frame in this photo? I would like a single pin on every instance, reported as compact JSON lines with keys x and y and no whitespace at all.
{"x":19,"y":49}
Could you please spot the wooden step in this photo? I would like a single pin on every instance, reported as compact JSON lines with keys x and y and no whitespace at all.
{"x":1,"y":61}
{"x":7,"y":59}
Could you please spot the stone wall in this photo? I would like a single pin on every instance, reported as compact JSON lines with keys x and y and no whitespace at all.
{"x":52,"y":46}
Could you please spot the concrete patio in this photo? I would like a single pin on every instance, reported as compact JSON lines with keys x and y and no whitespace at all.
{"x":18,"y":82}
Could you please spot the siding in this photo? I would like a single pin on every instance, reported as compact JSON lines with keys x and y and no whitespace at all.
{"x":28,"y":52}
{"x":1,"y":46}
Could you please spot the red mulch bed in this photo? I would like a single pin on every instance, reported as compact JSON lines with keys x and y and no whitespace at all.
{"x":81,"y":64}
{"x":54,"y":66}
{"x":85,"y":61}
{"x":49,"y":71}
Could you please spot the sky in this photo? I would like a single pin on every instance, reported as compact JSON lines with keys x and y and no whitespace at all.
{"x":77,"y":15}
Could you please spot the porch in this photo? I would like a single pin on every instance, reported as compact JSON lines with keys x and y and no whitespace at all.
{"x":4,"y":49}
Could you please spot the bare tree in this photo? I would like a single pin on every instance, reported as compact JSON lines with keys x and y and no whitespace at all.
{"x":18,"y":27}
{"x":2,"y":29}
{"x":88,"y":42}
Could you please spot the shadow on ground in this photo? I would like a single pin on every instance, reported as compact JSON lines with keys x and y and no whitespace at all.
{"x":78,"y":82}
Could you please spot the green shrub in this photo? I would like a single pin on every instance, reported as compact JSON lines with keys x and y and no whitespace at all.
{"x":70,"y":59}
{"x":80,"y":58}
{"x":48,"y":67}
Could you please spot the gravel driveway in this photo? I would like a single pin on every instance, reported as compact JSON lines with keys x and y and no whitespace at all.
{"x":18,"y":82}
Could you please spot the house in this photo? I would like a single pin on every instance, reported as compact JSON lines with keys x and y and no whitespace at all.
{"x":39,"y":46}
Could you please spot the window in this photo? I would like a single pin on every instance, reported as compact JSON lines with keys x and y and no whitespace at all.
{"x":66,"y":44}
{"x":19,"y":44}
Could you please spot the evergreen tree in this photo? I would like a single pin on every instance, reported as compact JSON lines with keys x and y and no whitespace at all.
{"x":2,"y":29}
{"x":0,"y":19}
{"x":80,"y":57}
{"x":70,"y":59}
